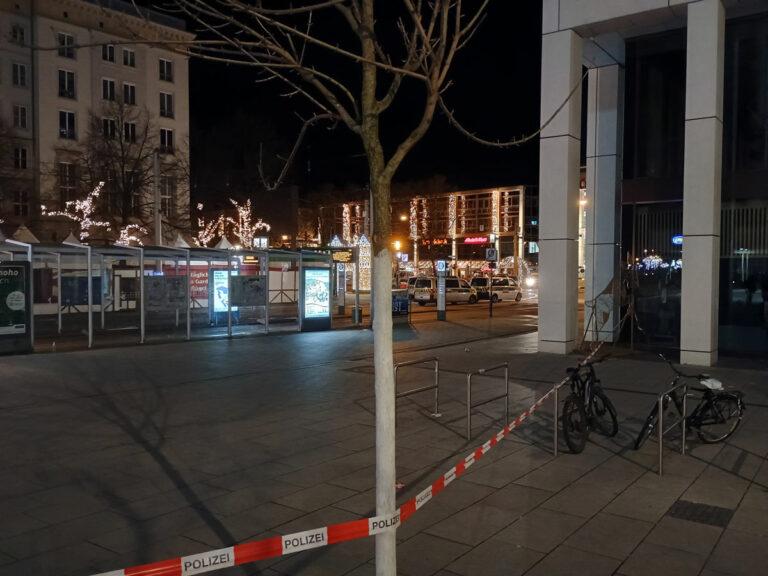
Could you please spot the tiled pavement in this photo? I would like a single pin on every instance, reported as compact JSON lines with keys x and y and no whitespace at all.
{"x":113,"y":458}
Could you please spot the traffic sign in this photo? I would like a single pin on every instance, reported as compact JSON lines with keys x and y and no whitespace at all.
{"x":440,"y":265}
{"x":491,"y":254}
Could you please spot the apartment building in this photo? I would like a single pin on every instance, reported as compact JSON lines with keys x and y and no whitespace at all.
{"x":76,"y":75}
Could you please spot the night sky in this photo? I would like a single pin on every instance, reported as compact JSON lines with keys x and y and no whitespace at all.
{"x":495,"y":93}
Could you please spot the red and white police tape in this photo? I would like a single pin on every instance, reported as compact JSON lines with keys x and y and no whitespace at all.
{"x":353,"y":530}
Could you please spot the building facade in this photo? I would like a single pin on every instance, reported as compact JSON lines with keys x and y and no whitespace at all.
{"x":676,"y":159}
{"x":85,"y":98}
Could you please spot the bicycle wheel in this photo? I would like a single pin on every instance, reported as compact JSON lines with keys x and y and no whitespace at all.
{"x":603,"y":414}
{"x":720,"y":417}
{"x":650,"y":424}
{"x":575,"y":425}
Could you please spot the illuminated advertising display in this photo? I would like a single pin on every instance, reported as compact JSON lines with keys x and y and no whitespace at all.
{"x":220,"y":290}
{"x":316,"y":299}
{"x":317,"y":293}
{"x":15,"y":307}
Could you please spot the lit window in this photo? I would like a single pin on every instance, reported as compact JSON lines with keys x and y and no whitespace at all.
{"x":167,"y":194}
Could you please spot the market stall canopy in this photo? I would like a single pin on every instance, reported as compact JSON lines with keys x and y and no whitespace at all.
{"x":24,"y":234}
{"x":223,"y":244}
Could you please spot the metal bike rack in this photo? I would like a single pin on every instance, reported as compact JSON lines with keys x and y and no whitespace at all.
{"x":435,"y":386}
{"x":660,"y":423}
{"x":481,"y":372}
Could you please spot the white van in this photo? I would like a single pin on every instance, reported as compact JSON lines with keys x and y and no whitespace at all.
{"x":457,"y":291}
{"x":503,"y":287}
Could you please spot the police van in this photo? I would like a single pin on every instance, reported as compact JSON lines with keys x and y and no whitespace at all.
{"x":502,"y":288}
{"x":457,"y":291}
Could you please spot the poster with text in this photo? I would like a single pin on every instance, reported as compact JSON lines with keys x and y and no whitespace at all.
{"x":13,"y":308}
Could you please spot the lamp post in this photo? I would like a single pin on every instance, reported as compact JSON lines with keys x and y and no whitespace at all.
{"x":492,"y":239}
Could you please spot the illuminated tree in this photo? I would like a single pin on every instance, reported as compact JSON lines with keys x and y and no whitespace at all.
{"x":83,"y":213}
{"x":244,"y":227}
{"x":207,"y":231}
{"x":131,"y":234}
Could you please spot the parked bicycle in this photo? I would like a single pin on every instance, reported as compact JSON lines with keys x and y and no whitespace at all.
{"x":717,"y":415}
{"x":586,"y":408}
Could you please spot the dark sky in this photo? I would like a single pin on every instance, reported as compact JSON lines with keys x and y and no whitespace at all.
{"x":496,"y":93}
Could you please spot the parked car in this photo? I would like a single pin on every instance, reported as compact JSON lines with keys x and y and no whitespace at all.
{"x":411,"y":286}
{"x":457,"y":291}
{"x":503,"y":287}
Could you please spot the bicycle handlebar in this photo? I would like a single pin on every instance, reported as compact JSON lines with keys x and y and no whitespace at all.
{"x":680,"y":372}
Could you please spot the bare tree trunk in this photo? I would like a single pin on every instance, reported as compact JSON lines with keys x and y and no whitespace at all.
{"x":386,"y":557}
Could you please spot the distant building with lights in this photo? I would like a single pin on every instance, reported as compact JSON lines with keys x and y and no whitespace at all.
{"x":456,"y":225}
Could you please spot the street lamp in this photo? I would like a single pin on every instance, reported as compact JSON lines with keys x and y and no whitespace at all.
{"x":403,"y":217}
{"x":492,"y":237}
{"x":397,"y":244}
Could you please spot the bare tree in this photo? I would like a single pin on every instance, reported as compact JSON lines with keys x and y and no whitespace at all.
{"x":350,"y":59}
{"x":119,"y":150}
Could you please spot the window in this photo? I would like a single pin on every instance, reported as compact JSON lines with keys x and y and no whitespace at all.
{"x":108,"y":52}
{"x":451,"y":282}
{"x":129,"y":93}
{"x":17,"y":34}
{"x":67,"y":125}
{"x":167,"y":194}
{"x":166,"y":140}
{"x":19,"y":74}
{"x":19,"y":116}
{"x":166,"y":70}
{"x":107,"y":89}
{"x":129,"y":58}
{"x":20,"y":158}
{"x":67,"y":182}
{"x":66,"y":44}
{"x":129,"y":130}
{"x":21,"y":203}
{"x":166,"y":105}
{"x":108,"y":128}
{"x":66,"y":84}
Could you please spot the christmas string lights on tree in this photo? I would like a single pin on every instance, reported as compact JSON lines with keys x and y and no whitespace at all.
{"x":365,"y":262}
{"x":130,"y":235}
{"x":346,"y":224}
{"x":452,"y":216}
{"x":81,"y":212}
{"x":206,"y":231}
{"x":244,"y":227}
{"x":413,"y":219}
{"x":495,"y":210}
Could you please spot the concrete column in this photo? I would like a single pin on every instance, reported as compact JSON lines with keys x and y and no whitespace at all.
{"x":701,"y":186}
{"x":605,"y":116}
{"x":559,"y":191}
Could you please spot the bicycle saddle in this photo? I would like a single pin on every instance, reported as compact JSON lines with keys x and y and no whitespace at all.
{"x":711,"y":383}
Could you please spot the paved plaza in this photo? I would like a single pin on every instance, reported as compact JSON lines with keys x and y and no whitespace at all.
{"x":122,"y":456}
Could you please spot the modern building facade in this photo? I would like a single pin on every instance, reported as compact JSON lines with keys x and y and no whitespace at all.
{"x":72,"y":72}
{"x":672,"y":85}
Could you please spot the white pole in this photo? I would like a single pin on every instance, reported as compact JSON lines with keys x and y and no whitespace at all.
{"x":31,"y":296}
{"x":141,"y":296}
{"x":101,"y":296}
{"x":301,"y":292}
{"x":176,"y":273}
{"x":189,"y":298}
{"x":229,"y":294}
{"x":266,"y":293}
{"x":58,"y":285}
{"x":89,"y":271}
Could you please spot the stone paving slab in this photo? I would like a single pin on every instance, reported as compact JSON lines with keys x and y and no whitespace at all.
{"x":217,"y":443}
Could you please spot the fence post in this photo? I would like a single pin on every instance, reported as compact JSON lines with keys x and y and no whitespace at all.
{"x":469,"y":405}
{"x":436,"y":413}
{"x":554,"y":419}
{"x":661,"y":434}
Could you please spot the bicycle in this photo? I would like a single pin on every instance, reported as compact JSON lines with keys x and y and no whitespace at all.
{"x":587,"y":407}
{"x":715,"y":418}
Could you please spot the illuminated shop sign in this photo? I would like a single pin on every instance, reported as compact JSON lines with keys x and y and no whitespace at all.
{"x":476,"y":240}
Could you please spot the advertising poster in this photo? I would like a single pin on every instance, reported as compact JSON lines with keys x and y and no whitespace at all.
{"x":219,"y":286}
{"x":74,"y":290}
{"x":13,"y":299}
{"x":248,"y":291}
{"x":317,"y":293}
